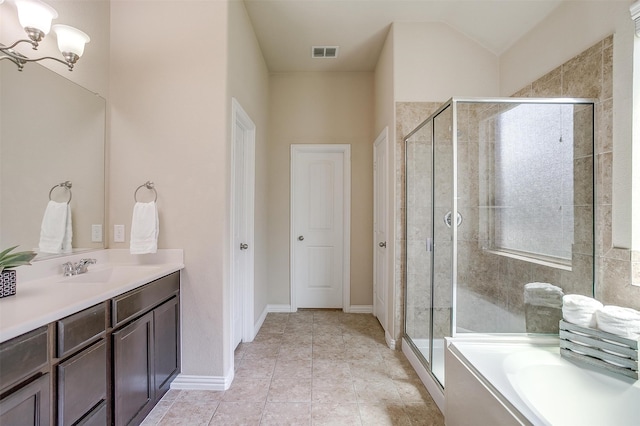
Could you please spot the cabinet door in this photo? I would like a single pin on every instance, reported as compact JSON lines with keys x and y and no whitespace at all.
{"x":133,"y":379}
{"x":167,"y":344}
{"x":28,"y":406}
{"x":82,"y":383}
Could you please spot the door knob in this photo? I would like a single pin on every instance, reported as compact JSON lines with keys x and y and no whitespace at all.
{"x":244,"y":246}
{"x":301,"y":238}
{"x":383,"y":244}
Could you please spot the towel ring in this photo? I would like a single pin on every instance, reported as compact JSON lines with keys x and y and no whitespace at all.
{"x":149,"y":185}
{"x":66,"y":185}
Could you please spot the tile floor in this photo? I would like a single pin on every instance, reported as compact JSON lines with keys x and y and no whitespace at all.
{"x":312,"y":367}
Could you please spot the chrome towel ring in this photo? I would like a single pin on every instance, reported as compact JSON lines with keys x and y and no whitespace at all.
{"x":150,"y":186}
{"x":67,"y":185}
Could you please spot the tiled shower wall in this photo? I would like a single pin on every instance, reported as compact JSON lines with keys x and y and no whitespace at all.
{"x":588,"y":75}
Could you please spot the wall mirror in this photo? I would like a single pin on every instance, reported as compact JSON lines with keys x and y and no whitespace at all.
{"x":51,"y":131}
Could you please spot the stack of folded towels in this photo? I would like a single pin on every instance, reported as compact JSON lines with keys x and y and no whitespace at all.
{"x":543,"y":294}
{"x":588,"y":312}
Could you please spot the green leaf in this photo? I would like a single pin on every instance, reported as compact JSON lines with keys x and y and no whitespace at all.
{"x":6,"y":251}
{"x":11,"y":260}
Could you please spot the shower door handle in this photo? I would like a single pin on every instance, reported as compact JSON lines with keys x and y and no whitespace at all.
{"x":429,"y":244}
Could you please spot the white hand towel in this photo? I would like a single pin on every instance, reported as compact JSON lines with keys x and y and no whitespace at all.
{"x":543,"y":294}
{"x":623,"y":322}
{"x":56,"y":231}
{"x":144,"y":228}
{"x":580,"y":310}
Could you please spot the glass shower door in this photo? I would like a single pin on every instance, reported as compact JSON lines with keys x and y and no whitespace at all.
{"x":419,"y":238}
{"x":443,"y":226}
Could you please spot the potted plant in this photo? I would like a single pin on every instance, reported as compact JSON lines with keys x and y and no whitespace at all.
{"x":8,"y":261}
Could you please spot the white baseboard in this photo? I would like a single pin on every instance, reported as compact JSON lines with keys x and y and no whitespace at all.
{"x":260,"y":321}
{"x":279,"y":308}
{"x":361,"y":309}
{"x":429,"y":382}
{"x":390,"y":341}
{"x":216,"y":383}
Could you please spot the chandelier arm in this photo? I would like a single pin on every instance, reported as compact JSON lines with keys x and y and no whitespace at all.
{"x":17,"y":57}
{"x":15,"y":61}
{"x":4,"y":48}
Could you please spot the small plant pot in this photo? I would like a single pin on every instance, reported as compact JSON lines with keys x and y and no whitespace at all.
{"x":8,"y":281}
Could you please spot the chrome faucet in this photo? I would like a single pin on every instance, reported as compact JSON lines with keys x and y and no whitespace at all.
{"x":70,"y":269}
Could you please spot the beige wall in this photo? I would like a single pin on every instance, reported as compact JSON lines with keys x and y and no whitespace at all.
{"x":248,"y":80}
{"x":434,"y":62}
{"x":327,"y":108}
{"x":169,"y":119}
{"x":572,"y":28}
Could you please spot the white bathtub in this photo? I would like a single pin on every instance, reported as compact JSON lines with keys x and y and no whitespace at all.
{"x":529,"y":381}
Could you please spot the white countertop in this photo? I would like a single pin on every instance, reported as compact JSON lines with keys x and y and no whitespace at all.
{"x":43,"y":295}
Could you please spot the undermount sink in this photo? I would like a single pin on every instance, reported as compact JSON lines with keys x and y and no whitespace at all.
{"x":108,"y":274}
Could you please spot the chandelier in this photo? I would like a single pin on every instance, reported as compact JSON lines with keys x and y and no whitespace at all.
{"x":35,"y":17}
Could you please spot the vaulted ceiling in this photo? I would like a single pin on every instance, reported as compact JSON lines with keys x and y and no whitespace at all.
{"x":286,"y":29}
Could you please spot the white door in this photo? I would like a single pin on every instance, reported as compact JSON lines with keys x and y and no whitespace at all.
{"x":242,"y":204}
{"x":320,"y":194}
{"x":380,"y":221}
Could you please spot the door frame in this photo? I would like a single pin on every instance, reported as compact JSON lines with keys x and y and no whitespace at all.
{"x":345,"y":150}
{"x":383,"y":138}
{"x":239,"y":116}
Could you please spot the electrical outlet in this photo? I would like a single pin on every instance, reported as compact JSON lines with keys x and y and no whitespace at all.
{"x":96,"y":233}
{"x":118,"y":233}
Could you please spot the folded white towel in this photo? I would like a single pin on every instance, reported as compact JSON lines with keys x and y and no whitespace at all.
{"x":144,"y":228}
{"x":56,"y":232}
{"x":580,"y":310}
{"x":543,"y":294}
{"x":623,"y":322}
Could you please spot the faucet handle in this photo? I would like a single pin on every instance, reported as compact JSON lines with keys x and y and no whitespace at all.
{"x":82,"y":265}
{"x":68,"y":269}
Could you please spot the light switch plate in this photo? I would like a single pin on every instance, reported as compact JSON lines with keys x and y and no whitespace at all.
{"x":118,"y":233}
{"x":96,"y":233}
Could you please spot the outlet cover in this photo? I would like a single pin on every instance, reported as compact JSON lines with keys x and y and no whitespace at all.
{"x":118,"y":233}
{"x":96,"y":233}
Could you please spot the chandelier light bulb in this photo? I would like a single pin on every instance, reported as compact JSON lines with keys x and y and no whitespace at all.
{"x":35,"y":15}
{"x":70,"y":40}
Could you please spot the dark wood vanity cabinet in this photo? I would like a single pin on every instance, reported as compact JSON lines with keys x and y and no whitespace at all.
{"x":106,"y":365}
{"x":146,"y":355}
{"x":24,"y":380}
{"x":27,"y":406}
{"x":81,"y":369}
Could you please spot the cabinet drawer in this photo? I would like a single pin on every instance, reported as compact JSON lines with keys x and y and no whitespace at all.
{"x":22,"y":356}
{"x":77,"y":330}
{"x":139,"y":301}
{"x":82,"y":383}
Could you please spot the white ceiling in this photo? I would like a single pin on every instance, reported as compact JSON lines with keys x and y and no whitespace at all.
{"x":286,"y":29}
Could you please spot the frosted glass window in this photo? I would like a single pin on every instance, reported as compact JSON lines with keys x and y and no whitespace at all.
{"x":533,"y":193}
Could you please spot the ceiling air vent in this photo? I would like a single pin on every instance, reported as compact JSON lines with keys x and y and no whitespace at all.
{"x":324,"y":51}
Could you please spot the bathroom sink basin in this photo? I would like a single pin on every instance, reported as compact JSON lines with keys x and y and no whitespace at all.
{"x":91,"y":276}
{"x":109,"y":274}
